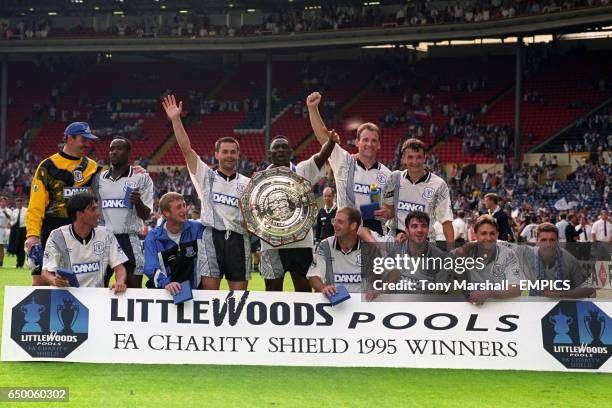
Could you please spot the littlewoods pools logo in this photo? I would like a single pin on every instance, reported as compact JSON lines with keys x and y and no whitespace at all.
{"x":49,"y":323}
{"x":578,"y":334}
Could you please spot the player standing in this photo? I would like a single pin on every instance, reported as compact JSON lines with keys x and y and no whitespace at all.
{"x":417,"y":189}
{"x":58,"y":178}
{"x":354,"y":175}
{"x":226,"y":242}
{"x":297,"y":256}
{"x":125,"y":222}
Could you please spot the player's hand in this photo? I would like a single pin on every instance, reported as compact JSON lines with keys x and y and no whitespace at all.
{"x":135,"y":197}
{"x":478,"y":297}
{"x":118,"y":287}
{"x":372,"y":294}
{"x":173,"y":111}
{"x":333,"y":136}
{"x":30,"y":242}
{"x":60,"y":282}
{"x":313,"y":100}
{"x":551,"y":293}
{"x":174,"y":288}
{"x":401,"y":237}
{"x":384,"y":212}
{"x":329,"y":290}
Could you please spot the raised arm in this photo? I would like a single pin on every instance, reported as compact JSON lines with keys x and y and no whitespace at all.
{"x":326,"y":151}
{"x":316,"y":121}
{"x":173,"y":111}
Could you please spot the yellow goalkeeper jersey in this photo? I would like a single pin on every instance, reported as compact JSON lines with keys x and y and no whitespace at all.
{"x":57,"y":178}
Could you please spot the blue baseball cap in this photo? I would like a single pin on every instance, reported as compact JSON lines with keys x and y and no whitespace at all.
{"x":80,"y":129}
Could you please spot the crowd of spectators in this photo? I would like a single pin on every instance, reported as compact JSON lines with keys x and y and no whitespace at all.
{"x":328,"y":16}
{"x":22,"y":29}
{"x":17,"y":170}
{"x":597,"y":136}
{"x":426,"y":12}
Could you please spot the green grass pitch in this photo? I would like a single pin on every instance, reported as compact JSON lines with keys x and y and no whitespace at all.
{"x":129,"y":385}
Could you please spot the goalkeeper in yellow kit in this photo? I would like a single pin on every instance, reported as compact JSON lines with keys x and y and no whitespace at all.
{"x":57,"y":178}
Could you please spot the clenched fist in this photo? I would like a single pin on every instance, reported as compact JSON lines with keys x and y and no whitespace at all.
{"x":313,"y":99}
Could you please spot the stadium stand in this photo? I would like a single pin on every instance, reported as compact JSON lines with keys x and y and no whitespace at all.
{"x":153,"y":22}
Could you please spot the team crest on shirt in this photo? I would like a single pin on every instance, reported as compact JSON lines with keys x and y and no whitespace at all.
{"x":35,"y":188}
{"x":129,"y":184}
{"x":98,"y":247}
{"x":381,"y":178}
{"x":190,"y":252}
{"x":240,"y":187}
{"x":359,"y":260}
{"x":428,"y":193}
{"x":78,"y":175}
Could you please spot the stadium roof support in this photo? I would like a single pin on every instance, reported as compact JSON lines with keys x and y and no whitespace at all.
{"x":563,"y":22}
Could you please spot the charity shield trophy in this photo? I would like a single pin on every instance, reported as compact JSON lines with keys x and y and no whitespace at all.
{"x":278,"y":206}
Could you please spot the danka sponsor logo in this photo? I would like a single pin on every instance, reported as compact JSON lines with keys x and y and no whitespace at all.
{"x":225,"y":199}
{"x":361,"y":188}
{"x":70,"y":191}
{"x":113,"y":203}
{"x":408,"y":206}
{"x":347,"y":278}
{"x":86,"y":267}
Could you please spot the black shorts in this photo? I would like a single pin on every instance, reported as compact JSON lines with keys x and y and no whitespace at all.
{"x":48,"y":225}
{"x":227,"y":255}
{"x":275,"y":262}
{"x":127,"y":246}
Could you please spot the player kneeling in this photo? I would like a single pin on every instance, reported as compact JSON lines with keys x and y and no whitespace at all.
{"x":175,"y":251}
{"x":83,"y":248}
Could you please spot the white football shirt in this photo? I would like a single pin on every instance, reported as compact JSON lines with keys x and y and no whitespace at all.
{"x":429,"y":194}
{"x":353,"y":180}
{"x":220,"y":196}
{"x":87,"y":260}
{"x":114,"y":214}
{"x":335,"y":267}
